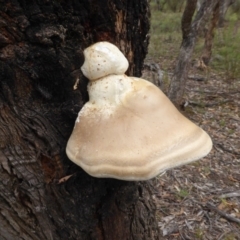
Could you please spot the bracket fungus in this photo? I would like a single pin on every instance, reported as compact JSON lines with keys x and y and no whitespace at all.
{"x":129,"y":129}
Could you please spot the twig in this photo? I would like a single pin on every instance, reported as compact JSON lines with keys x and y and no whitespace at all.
{"x":224,"y":234}
{"x":226,"y":150}
{"x":155,"y":68}
{"x":209,"y":220}
{"x":216,"y":93}
{"x":234,"y":118}
{"x":231,"y":194}
{"x":209,"y":104}
{"x":196,"y":78}
{"x":223,"y":214}
{"x":180,"y":184}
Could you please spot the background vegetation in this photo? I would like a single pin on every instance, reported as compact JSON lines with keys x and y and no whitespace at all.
{"x":202,"y":200}
{"x":166,"y":38}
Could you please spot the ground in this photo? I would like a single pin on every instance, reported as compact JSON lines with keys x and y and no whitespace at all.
{"x":202,"y":200}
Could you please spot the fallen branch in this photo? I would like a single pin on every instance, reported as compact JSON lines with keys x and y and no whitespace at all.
{"x":222,"y":214}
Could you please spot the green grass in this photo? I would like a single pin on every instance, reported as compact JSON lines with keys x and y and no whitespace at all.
{"x":226,"y":50}
{"x":199,"y":234}
{"x":165,"y":34}
{"x":166,"y":37}
{"x":183,"y":193}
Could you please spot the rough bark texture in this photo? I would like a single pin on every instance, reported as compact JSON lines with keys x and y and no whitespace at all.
{"x":41,"y":45}
{"x":207,"y":50}
{"x":190,"y":32}
{"x":187,"y":17}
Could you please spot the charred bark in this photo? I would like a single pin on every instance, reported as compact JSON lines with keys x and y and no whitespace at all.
{"x":43,"y":195}
{"x":190,"y":30}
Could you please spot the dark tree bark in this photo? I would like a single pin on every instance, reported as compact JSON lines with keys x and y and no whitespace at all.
{"x":43,"y":195}
{"x":190,"y":29}
{"x":187,"y":17}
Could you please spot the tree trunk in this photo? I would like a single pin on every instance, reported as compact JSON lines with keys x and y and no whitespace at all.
{"x":224,"y":5}
{"x":43,"y":195}
{"x":207,"y":50}
{"x":190,"y":30}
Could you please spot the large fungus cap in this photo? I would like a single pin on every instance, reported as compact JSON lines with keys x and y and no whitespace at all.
{"x":130,"y":130}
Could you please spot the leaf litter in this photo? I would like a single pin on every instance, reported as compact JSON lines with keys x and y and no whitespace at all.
{"x":202,"y":200}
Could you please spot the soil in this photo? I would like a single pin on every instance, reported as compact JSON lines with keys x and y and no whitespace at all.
{"x":202,"y":200}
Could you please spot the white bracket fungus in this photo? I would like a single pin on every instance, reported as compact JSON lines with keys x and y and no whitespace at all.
{"x":129,"y":129}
